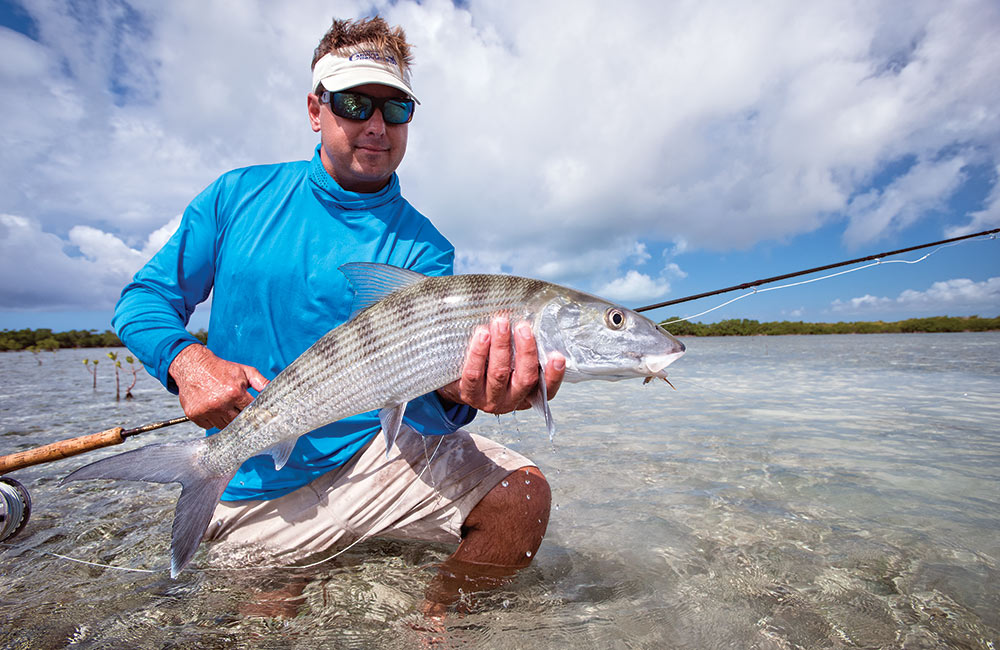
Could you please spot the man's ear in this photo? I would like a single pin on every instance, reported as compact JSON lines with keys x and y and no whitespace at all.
{"x":314,"y":107}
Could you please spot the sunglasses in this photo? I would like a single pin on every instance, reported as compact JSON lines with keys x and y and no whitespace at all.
{"x":353,"y":105}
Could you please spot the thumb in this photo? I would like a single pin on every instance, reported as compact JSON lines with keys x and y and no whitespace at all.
{"x":257,"y":381}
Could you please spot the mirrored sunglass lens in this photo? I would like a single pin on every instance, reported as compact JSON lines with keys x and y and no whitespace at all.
{"x":352,"y":106}
{"x":397,"y":112}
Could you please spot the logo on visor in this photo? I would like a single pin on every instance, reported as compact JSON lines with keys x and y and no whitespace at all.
{"x":372,"y":55}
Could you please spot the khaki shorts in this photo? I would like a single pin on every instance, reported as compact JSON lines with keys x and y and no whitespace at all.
{"x":423,"y":490}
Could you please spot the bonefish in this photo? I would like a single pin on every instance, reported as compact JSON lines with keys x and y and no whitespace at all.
{"x":408,"y":337}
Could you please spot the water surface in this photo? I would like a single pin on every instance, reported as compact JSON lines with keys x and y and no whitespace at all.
{"x":794,"y":492}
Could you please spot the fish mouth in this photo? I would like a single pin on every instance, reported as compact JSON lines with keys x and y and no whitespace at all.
{"x":655,"y":363}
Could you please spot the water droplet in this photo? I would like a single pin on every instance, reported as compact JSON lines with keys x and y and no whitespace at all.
{"x":528,"y":553}
{"x":505,"y":484}
{"x":539,"y":521}
{"x":528,"y":497}
{"x":527,"y":482}
{"x":557,"y":506}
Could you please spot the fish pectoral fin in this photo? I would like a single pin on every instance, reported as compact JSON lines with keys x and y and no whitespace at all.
{"x":281,"y":452}
{"x":540,"y":400}
{"x":391,"y":418}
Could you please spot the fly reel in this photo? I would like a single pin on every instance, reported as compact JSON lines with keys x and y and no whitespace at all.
{"x":15,"y":507}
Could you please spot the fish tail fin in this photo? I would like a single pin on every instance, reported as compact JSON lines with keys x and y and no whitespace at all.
{"x":171,"y":462}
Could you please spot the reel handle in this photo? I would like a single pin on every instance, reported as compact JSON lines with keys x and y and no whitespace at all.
{"x":61,"y":449}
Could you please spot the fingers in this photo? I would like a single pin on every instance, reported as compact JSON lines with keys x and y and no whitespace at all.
{"x":219,"y":419}
{"x":491,"y":382}
{"x":498,"y":372}
{"x":217,"y":406}
{"x":472,"y":385}
{"x":257,"y":381}
{"x":213,"y":391}
{"x":555,"y":370}
{"x":524,"y":380}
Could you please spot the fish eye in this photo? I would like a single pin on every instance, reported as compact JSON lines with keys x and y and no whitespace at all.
{"x":615,"y":318}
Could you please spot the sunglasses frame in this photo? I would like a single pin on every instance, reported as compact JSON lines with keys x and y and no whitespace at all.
{"x":327,"y":97}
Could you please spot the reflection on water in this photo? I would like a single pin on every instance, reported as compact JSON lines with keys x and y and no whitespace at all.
{"x":794,"y":492}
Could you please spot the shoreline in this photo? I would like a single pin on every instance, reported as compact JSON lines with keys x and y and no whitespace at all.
{"x":748,"y":327}
{"x":45,"y":340}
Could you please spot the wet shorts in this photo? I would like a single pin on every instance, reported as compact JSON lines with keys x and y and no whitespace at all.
{"x":423,"y":490}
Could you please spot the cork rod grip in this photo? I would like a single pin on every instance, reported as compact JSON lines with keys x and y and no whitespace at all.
{"x":61,"y":449}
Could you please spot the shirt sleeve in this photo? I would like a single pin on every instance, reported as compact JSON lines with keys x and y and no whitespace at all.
{"x":155,"y":307}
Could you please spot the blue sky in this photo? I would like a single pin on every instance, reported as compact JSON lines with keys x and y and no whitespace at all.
{"x":642,"y":153}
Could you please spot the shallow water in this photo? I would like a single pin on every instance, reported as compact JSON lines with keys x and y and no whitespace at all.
{"x":794,"y":492}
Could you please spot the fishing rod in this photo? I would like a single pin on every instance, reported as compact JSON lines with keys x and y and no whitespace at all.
{"x":15,"y":503}
{"x":78,"y":445}
{"x":757,"y":283}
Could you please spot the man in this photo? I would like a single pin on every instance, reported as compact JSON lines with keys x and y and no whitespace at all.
{"x":269,"y":240}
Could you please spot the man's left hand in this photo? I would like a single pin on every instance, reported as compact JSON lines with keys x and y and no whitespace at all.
{"x":490,"y":382}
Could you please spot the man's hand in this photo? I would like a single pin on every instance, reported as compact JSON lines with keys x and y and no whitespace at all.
{"x":213,"y":391}
{"x":490,"y":382}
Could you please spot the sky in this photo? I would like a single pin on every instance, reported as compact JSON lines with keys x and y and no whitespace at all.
{"x":641,"y":151}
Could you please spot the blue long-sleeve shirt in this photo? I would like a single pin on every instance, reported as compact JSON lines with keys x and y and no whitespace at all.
{"x":269,"y":240}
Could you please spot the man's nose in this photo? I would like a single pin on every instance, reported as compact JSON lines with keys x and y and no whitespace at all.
{"x":376,"y":123}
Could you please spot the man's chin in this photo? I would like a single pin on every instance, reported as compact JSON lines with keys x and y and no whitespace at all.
{"x":367,"y":178}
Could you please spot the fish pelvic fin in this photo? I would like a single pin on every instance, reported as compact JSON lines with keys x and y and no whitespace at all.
{"x":281,"y":452}
{"x":391,"y":418}
{"x":540,"y":400}
{"x":171,"y":462}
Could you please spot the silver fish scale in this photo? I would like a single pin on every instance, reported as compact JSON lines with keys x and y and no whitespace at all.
{"x":403,"y":346}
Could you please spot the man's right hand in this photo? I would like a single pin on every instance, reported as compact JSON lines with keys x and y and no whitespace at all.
{"x":213,"y":391}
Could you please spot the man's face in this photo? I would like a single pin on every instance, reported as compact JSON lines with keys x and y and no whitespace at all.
{"x":361,"y":156}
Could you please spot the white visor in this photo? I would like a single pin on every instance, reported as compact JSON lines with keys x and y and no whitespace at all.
{"x":366,"y":66}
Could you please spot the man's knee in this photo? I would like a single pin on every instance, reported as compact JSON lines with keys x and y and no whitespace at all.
{"x":521,"y":502}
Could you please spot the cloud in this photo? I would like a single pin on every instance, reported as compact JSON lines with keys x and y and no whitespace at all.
{"x":727,"y":124}
{"x":921,"y":190}
{"x":705,"y":126}
{"x":959,"y":295}
{"x":634,"y":287}
{"x":985,"y":219}
{"x":86,"y":271}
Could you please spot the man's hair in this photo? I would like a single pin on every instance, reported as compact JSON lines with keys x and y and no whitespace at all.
{"x":345,"y":36}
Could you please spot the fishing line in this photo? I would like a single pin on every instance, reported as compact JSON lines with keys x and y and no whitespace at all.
{"x":22,"y":547}
{"x":878,"y":257}
{"x":752,"y":285}
{"x":364,"y":537}
{"x":878,"y":261}
{"x":215,"y":569}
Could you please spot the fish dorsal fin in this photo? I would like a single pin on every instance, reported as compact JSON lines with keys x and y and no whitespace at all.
{"x":372,"y":281}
